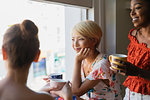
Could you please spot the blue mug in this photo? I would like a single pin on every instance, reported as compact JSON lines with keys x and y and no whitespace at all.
{"x":55,"y":76}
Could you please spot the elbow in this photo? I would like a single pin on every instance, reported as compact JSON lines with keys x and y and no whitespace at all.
{"x":77,"y":92}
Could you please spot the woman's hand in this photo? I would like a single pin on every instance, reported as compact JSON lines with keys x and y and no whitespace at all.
{"x":46,"y":88}
{"x":126,"y":69}
{"x":82,"y":54}
{"x":65,"y":92}
{"x":46,"y":79}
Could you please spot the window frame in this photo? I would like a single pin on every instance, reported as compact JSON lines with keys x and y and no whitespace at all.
{"x":94,"y":12}
{"x":80,"y":3}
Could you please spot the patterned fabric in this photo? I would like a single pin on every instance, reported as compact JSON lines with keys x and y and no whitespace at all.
{"x":60,"y":98}
{"x":139,"y":55}
{"x":100,"y":70}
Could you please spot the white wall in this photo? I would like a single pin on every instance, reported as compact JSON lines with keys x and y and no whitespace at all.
{"x":70,"y":53}
{"x":117,"y":26}
{"x":110,"y":27}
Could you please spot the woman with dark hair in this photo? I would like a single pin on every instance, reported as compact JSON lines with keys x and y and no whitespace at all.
{"x":20,"y":48}
{"x":138,"y":66}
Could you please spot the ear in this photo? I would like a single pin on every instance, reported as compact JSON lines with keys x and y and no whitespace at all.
{"x":37,"y":56}
{"x":4,"y":54}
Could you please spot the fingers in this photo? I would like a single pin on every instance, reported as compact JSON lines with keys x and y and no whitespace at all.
{"x":64,"y":92}
{"x":68,"y":84}
{"x":54,"y":88}
{"x":123,"y":67}
{"x":120,"y":61}
{"x":84,"y":51}
{"x":46,"y":88}
{"x":120,"y":71}
{"x":56,"y":92}
{"x":46,"y":79}
{"x":82,"y":54}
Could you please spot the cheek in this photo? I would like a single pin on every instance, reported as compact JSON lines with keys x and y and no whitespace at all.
{"x":72,"y":45}
{"x":83,"y":44}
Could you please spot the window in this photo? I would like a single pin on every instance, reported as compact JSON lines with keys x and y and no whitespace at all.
{"x":55,"y":23}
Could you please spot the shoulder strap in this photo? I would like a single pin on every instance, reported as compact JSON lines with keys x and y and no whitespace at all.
{"x":137,"y":31}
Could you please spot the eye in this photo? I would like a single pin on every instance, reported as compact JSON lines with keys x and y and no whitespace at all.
{"x":130,"y":9}
{"x":81,"y":38}
{"x":72,"y":39}
{"x":138,"y":8}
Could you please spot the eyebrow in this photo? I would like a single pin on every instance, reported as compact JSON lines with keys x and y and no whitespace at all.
{"x":137,"y":4}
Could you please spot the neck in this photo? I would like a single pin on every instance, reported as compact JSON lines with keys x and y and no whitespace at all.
{"x":92,"y":55}
{"x":145,"y":31}
{"x":18,"y":75}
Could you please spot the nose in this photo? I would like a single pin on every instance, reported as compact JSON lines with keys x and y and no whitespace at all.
{"x":75,"y":43}
{"x":132,"y":12}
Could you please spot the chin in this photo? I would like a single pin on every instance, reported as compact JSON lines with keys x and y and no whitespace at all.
{"x":137,"y":26}
{"x":77,"y":51}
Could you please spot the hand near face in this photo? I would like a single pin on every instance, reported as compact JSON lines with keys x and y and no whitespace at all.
{"x":82,"y":54}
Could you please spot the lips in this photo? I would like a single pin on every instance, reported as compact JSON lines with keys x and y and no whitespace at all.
{"x":135,"y":19}
{"x":77,"y":49}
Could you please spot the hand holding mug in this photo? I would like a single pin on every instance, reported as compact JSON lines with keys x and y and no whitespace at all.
{"x":65,"y":92}
{"x":117,"y":62}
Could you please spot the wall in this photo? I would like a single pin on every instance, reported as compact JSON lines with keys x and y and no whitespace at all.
{"x":123,"y":25}
{"x":110,"y":27}
{"x":70,"y":53}
{"x":117,"y":26}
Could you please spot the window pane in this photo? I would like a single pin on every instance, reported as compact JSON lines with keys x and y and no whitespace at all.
{"x":55,"y":23}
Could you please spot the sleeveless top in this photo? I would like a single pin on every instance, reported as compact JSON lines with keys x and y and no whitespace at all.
{"x":139,"y":55}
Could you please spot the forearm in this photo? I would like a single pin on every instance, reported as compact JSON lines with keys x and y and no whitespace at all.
{"x":76,"y":80}
{"x":68,"y":98}
{"x":144,"y":74}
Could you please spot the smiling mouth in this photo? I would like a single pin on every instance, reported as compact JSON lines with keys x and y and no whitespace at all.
{"x":134,"y":19}
{"x":77,"y":49}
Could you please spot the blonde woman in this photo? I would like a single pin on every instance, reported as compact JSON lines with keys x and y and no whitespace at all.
{"x":92,"y":75}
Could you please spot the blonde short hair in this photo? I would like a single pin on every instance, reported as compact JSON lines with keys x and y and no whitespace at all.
{"x":88,"y":29}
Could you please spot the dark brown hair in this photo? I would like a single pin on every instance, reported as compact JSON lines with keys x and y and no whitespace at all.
{"x":21,"y":43}
{"x":147,"y":2}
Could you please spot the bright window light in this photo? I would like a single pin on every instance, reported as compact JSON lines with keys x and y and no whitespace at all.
{"x":50,"y":19}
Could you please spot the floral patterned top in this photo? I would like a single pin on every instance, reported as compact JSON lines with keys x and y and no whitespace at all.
{"x":100,"y":70}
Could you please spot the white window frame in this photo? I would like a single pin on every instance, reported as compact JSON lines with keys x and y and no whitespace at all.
{"x":81,"y":3}
{"x":95,"y":11}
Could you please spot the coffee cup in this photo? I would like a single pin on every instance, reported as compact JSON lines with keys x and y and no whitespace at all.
{"x":55,"y":76}
{"x":114,"y":57}
{"x":57,"y":84}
